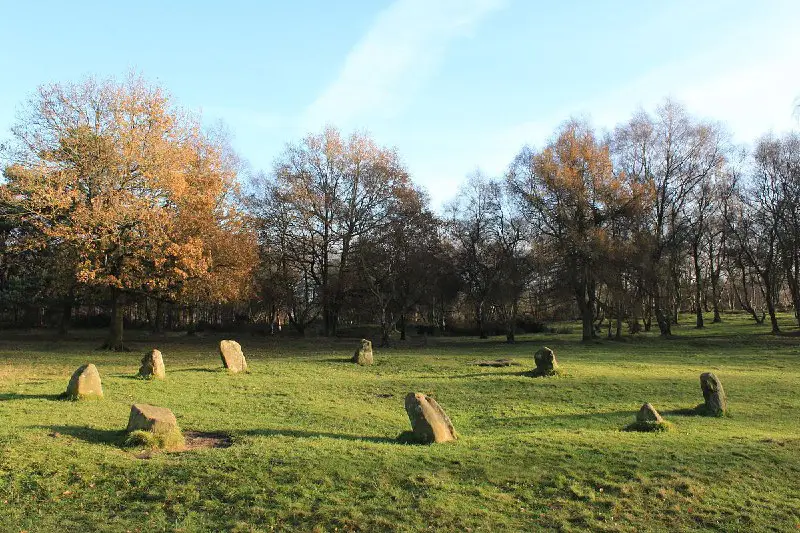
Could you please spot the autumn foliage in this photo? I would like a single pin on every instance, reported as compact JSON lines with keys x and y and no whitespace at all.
{"x":130,"y":188}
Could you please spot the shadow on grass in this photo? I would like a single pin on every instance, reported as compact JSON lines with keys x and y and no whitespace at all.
{"x":198,"y":369}
{"x":8,"y":396}
{"x":92,"y":435}
{"x":487,"y":374}
{"x":338,"y":360}
{"x":698,"y":410}
{"x":298,"y":434}
{"x":127,"y":376}
{"x":577,"y":417}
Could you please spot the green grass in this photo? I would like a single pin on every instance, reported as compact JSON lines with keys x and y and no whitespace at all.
{"x":315,"y":437}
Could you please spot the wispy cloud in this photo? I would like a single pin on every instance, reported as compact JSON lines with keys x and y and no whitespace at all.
{"x":394,"y":58}
{"x":752,"y":87}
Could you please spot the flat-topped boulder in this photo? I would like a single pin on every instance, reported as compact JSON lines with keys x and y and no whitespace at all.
{"x":363,"y":354}
{"x":159,"y":423}
{"x":429,"y":422}
{"x":152,"y":366}
{"x":546,"y":363}
{"x":232,"y":356}
{"x":716,"y":403}
{"x":85,"y":383}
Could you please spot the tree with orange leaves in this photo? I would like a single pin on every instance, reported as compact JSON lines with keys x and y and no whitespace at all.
{"x":129,"y":183}
{"x":576,"y":201}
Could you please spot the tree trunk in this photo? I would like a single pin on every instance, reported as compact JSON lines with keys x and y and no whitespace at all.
{"x":115,"y":342}
{"x":158,"y":319}
{"x":66,"y":315}
{"x":402,"y":326}
{"x":794,"y":290}
{"x":772,"y":316}
{"x":385,"y":328}
{"x":717,"y":316}
{"x":698,"y":286}
{"x":647,"y":317}
{"x":479,"y":320}
{"x":662,"y":318}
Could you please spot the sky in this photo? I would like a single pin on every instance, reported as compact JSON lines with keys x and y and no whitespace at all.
{"x":454,"y":85}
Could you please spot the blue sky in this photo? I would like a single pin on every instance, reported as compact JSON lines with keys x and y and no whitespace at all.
{"x":455,"y":85}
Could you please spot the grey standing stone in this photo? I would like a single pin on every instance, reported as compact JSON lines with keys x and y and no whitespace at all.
{"x":85,"y":383}
{"x":429,"y":422}
{"x":716,"y":404}
{"x":363,"y":355}
{"x":232,"y":356}
{"x":146,"y":417}
{"x":648,"y":413}
{"x":152,"y":366}
{"x":546,"y":363}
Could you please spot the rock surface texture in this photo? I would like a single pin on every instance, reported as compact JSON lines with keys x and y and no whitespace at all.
{"x":232,"y":356}
{"x":85,"y":383}
{"x":716,"y":404}
{"x":152,"y":366}
{"x":648,"y":413}
{"x":546,"y":364}
{"x":429,"y":422}
{"x":363,"y":355}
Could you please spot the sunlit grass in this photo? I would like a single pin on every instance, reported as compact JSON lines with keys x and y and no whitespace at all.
{"x":314,"y":436}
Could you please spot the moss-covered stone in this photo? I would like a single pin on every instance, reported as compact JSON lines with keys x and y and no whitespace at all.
{"x":546,"y":363}
{"x":648,"y":419}
{"x":159,"y":422}
{"x":716,"y":403}
{"x":363,"y":354}
{"x":152,"y":366}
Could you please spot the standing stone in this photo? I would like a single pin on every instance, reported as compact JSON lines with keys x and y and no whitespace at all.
{"x":429,"y":423}
{"x":713,"y":394}
{"x":85,"y":383}
{"x":152,"y":366}
{"x":159,"y":421}
{"x":648,"y":414}
{"x":232,"y":356}
{"x":546,"y":364}
{"x":146,"y":417}
{"x":648,"y":419}
{"x":363,"y":355}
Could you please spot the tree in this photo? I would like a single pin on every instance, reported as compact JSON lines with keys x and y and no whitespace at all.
{"x":571,"y":193}
{"x":776,"y":197}
{"x":754,"y":241}
{"x":124,"y":181}
{"x":474,"y":228}
{"x":671,"y":154}
{"x":335,"y":192}
{"x":396,"y":263}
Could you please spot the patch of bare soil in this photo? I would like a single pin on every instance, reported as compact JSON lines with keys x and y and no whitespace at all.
{"x":194,"y":440}
{"x":197,"y":439}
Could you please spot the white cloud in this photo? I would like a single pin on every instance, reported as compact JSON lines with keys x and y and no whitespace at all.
{"x":394,"y":58}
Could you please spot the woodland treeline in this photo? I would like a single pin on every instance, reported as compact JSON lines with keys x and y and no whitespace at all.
{"x":118,"y":207}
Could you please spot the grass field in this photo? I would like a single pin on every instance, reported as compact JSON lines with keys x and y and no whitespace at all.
{"x":314,"y":436}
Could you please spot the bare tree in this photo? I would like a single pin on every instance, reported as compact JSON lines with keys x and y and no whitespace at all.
{"x":671,"y":154}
